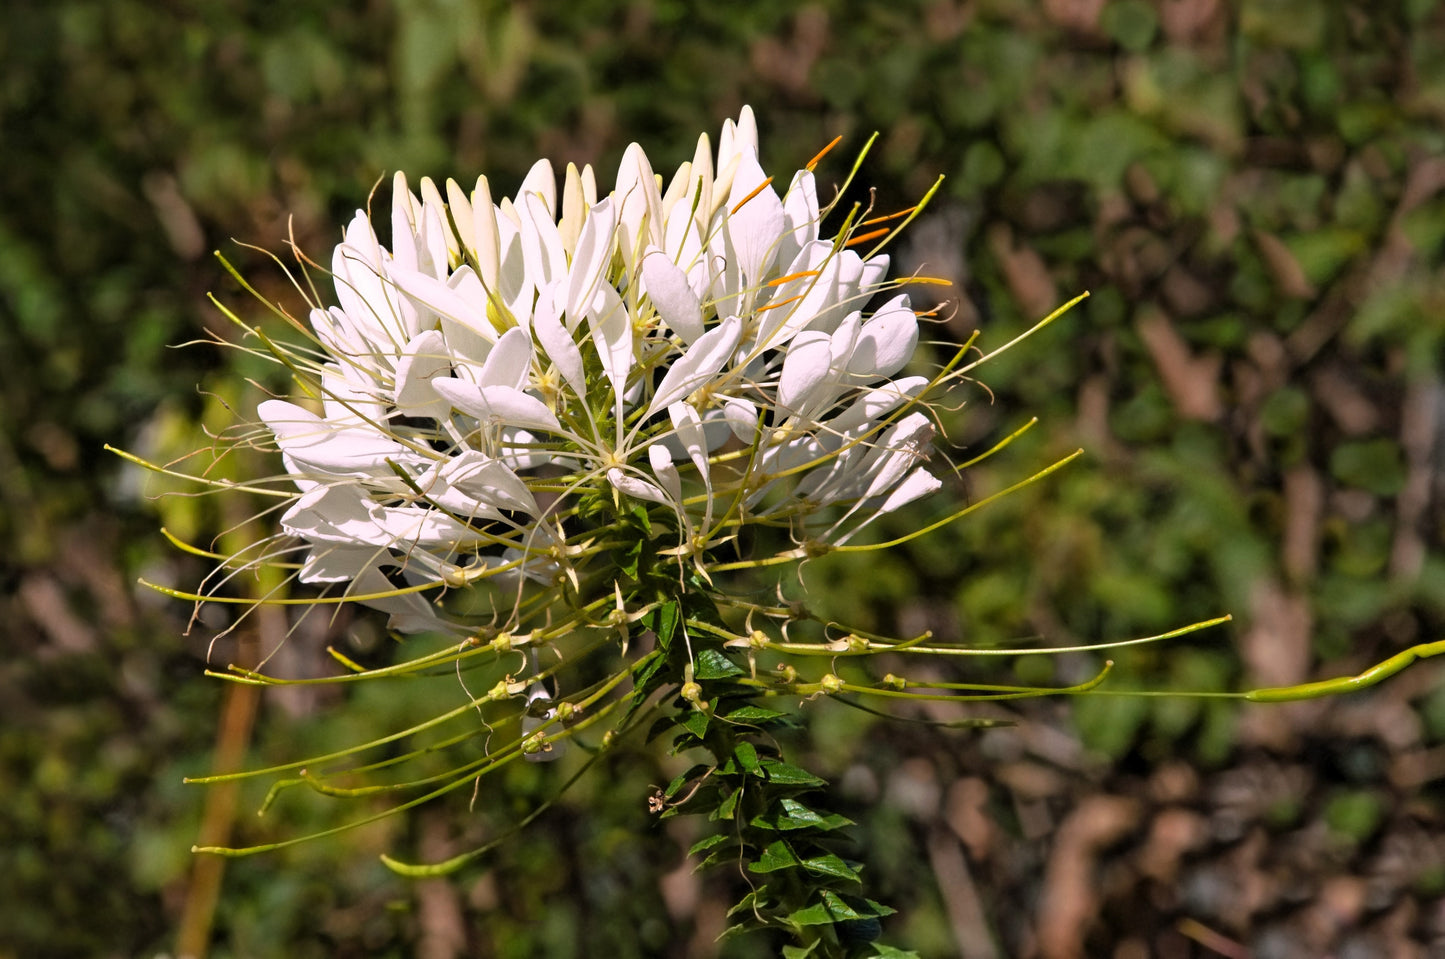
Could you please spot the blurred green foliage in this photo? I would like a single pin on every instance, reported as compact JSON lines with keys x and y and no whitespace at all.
{"x":1254,"y":192}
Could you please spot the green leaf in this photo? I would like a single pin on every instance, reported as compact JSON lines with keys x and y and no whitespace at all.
{"x":786,"y":774}
{"x":628,"y":557}
{"x":831,"y":909}
{"x":798,"y":952}
{"x":729,"y":806}
{"x":663,"y":623}
{"x":881,"y":951}
{"x":704,"y":844}
{"x":754,"y":715}
{"x":778,"y":855}
{"x":790,"y":814}
{"x":835,"y":908}
{"x":831,"y":865}
{"x":643,"y":519}
{"x":695,"y":721}
{"x":646,"y":677}
{"x":683,"y":779}
{"x":757,"y":899}
{"x":713,"y":664}
{"x":747,"y":756}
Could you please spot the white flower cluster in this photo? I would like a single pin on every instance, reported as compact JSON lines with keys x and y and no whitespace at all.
{"x":700,"y":346}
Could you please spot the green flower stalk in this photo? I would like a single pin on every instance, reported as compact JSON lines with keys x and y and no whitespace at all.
{"x":550,"y":428}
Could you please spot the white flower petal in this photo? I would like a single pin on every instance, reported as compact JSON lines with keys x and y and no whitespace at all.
{"x":330,"y":563}
{"x":541,"y":243}
{"x":612,"y":337}
{"x":497,"y":405}
{"x":407,"y":612}
{"x":541,"y":180}
{"x":672,"y":295}
{"x":752,"y":231}
{"x":877,"y":403}
{"x":703,"y":360}
{"x":424,"y":358}
{"x":318,"y":446}
{"x":474,"y":485}
{"x":419,"y":526}
{"x":342,"y":515}
{"x":667,"y":476}
{"x":557,"y":342}
{"x":800,"y":214}
{"x":886,"y":342}
{"x":806,"y":367}
{"x":510,"y":362}
{"x":742,"y":418}
{"x":639,"y":206}
{"x":593,"y":254}
{"x":454,"y":306}
{"x":636,"y":488}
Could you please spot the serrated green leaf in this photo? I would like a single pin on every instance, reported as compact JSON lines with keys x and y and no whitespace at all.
{"x":714,"y":664}
{"x":831,"y":865}
{"x":778,"y":855}
{"x":798,"y":952}
{"x":786,"y":774}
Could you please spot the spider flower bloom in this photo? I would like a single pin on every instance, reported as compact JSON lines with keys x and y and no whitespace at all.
{"x":507,"y":367}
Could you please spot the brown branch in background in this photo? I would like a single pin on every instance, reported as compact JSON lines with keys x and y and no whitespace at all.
{"x":266,"y":629}
{"x":238,"y":717}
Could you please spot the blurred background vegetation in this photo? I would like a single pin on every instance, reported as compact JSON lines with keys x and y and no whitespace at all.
{"x":1254,"y":192}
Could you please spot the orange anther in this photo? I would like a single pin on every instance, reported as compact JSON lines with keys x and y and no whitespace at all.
{"x":792,"y":276}
{"x":741,"y":203}
{"x":890,"y":216}
{"x":774,"y":306}
{"x":823,"y":152}
{"x":865,"y":237}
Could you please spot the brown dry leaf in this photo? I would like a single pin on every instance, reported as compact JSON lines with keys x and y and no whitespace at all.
{"x":1184,"y":21}
{"x":966,"y":811}
{"x":1024,"y":270}
{"x":1348,"y":406}
{"x":1304,"y":502}
{"x":1192,"y":382}
{"x":1276,"y":648}
{"x":1288,"y":275}
{"x":1079,"y":15}
{"x":1070,"y":894}
{"x":46,"y":603}
{"x":960,"y":897}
